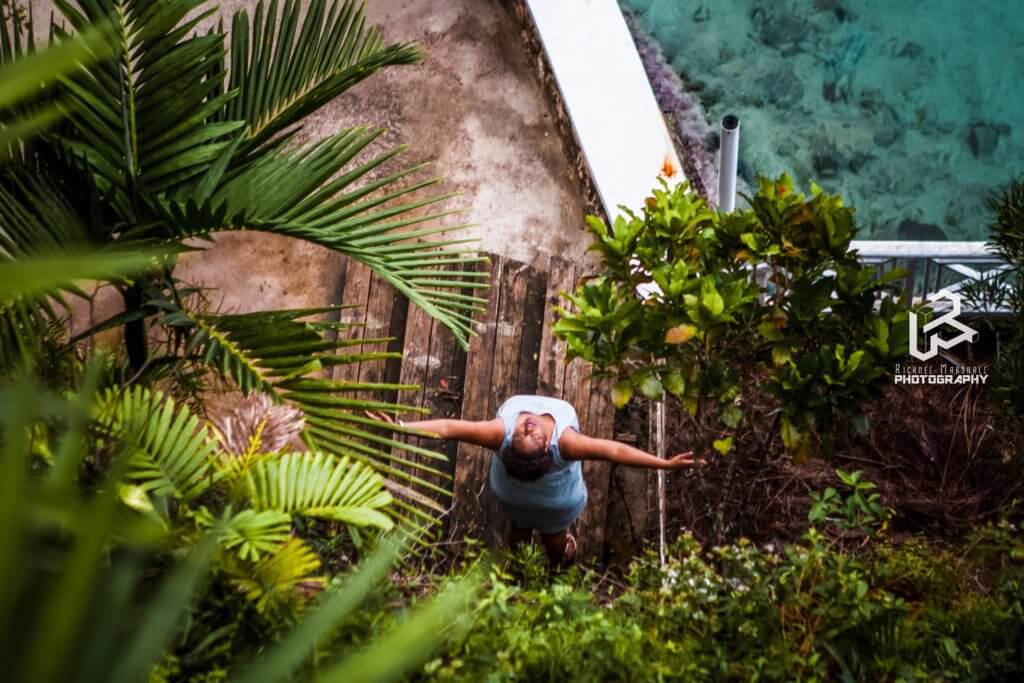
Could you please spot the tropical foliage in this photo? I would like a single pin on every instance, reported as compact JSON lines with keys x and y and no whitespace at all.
{"x":79,"y":602}
{"x":1007,"y":238}
{"x":130,"y":524}
{"x":807,"y":611}
{"x":706,"y":307}
{"x":162,"y":144}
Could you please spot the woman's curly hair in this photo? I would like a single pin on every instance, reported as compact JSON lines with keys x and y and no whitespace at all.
{"x":527,"y":466}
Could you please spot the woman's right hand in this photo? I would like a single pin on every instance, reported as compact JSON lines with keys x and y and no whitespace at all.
{"x":379,"y":415}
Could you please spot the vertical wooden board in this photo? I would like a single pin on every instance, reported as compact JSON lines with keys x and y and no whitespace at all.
{"x":415,"y":354}
{"x":551,"y":363}
{"x":442,"y":389}
{"x":380,"y":305}
{"x":356,"y":294}
{"x":577,"y":391}
{"x":600,"y":423}
{"x":472,"y":463}
{"x":415,"y":357}
{"x":509,"y":336}
{"x":441,"y":394}
{"x":530,"y":336}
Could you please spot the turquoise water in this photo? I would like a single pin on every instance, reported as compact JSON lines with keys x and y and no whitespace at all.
{"x":913,"y":111}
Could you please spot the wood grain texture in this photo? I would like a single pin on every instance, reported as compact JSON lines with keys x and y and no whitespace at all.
{"x":467,"y":519}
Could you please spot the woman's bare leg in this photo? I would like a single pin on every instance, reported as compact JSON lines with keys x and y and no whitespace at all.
{"x":561,"y":547}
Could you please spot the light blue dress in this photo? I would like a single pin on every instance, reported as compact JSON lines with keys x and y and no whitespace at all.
{"x":554,"y":501}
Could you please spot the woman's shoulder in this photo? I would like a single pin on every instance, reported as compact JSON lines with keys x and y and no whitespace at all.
{"x":528,"y":401}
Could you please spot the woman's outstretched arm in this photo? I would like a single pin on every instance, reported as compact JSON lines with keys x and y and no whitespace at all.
{"x":575,"y":446}
{"x":486,"y":433}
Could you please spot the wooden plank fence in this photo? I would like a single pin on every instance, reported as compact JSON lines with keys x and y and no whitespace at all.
{"x":515,"y":352}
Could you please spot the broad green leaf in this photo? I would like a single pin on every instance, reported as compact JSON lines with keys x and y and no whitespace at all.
{"x":781,"y":354}
{"x":622,"y":391}
{"x":711,"y":299}
{"x":769,"y":331}
{"x":649,"y":385}
{"x":674,"y":383}
{"x":723,"y":446}
{"x":732,"y":414}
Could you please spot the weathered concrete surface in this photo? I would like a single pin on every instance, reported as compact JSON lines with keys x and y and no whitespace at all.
{"x":474,"y":110}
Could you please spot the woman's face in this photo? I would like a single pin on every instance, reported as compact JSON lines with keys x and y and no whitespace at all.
{"x":529,"y":434}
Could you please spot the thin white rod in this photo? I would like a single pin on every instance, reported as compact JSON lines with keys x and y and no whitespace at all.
{"x":659,"y":439}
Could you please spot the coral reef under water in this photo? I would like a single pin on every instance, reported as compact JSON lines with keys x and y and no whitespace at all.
{"x":913,"y":116}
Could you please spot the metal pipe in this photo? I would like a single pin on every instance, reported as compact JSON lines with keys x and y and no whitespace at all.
{"x":728,"y":158}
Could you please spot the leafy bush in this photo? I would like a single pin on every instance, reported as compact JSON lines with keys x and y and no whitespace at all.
{"x":806,"y":612}
{"x":859,"y":511}
{"x":1008,"y":240}
{"x":704,"y":306}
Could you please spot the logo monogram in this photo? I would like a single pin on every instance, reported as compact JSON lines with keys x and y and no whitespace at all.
{"x":935,"y":342}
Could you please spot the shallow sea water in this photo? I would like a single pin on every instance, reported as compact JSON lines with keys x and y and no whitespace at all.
{"x":913,"y":111}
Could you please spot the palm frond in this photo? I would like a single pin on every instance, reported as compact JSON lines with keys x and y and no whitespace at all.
{"x":250,"y":533}
{"x":282,"y":577}
{"x":173,"y":452}
{"x":145,"y":118}
{"x":286,"y":65}
{"x":26,"y":102}
{"x":285,"y":353}
{"x":318,"y":193}
{"x":320,"y":485}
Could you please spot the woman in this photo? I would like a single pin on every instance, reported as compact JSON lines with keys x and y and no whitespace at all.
{"x":537,"y":474}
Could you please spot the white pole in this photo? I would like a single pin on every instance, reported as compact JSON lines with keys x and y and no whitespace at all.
{"x":728,"y":158}
{"x":659,"y":438}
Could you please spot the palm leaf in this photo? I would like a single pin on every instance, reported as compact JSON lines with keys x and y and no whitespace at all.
{"x":278,"y":352}
{"x":145,"y":119}
{"x":26,"y":102}
{"x":320,"y":485}
{"x":285,"y":65}
{"x":250,"y":533}
{"x":173,"y":453}
{"x":277,"y":577}
{"x":318,"y":193}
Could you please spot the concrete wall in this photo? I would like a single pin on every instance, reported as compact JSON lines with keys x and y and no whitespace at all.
{"x":474,"y":110}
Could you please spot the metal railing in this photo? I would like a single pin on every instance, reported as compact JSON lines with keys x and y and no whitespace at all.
{"x":965,"y":268}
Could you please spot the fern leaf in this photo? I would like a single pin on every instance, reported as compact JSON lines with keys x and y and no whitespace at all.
{"x":279,"y":578}
{"x":320,"y":485}
{"x":172,"y":452}
{"x":250,"y":533}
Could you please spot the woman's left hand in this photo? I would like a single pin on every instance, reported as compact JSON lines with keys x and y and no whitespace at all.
{"x":681,"y":460}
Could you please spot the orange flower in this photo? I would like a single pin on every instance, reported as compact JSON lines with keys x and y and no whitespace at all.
{"x":782,"y":190}
{"x":668,"y":169}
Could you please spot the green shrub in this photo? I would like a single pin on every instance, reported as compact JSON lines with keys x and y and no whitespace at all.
{"x":806,"y":612}
{"x":773,"y":293}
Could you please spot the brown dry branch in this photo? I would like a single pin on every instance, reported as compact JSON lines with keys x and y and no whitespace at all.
{"x":943,"y":458}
